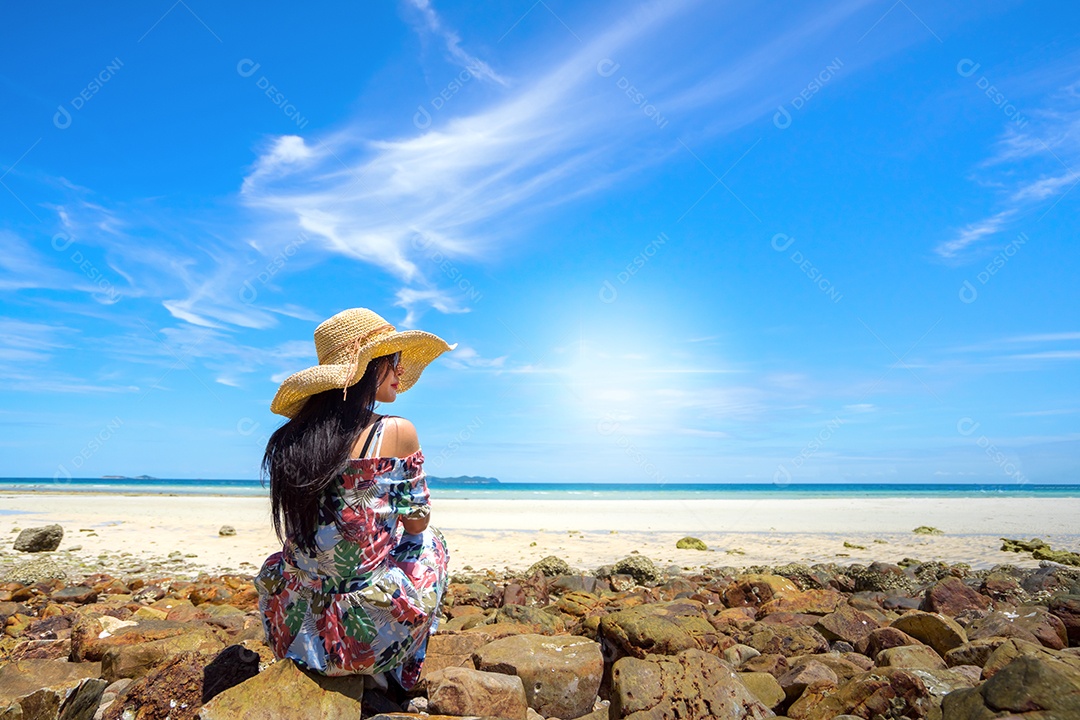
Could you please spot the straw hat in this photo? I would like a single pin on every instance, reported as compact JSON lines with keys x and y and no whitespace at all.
{"x":345,"y":344}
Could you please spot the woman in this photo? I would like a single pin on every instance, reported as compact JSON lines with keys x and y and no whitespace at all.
{"x":357,"y":586}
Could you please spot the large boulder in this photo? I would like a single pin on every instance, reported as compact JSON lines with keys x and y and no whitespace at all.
{"x":134,"y":661}
{"x":285,"y":690}
{"x":807,"y":602}
{"x":39,"y":539}
{"x":539,"y":620}
{"x":639,"y":567}
{"x":1031,"y":686}
{"x":692,"y":685}
{"x":885,"y":692}
{"x":451,"y":650}
{"x":785,"y":640}
{"x":561,"y":674}
{"x":846,"y":624}
{"x":50,"y":689}
{"x":756,"y":589}
{"x":464,"y":691}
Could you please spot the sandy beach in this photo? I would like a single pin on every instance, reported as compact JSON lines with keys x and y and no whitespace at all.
{"x":501,"y":534}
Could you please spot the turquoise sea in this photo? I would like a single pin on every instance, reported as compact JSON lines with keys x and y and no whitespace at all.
{"x":536,"y":491}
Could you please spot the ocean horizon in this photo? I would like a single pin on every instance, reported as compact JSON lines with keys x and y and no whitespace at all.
{"x":451,"y":488}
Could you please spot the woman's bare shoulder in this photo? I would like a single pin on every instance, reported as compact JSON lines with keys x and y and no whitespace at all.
{"x":399,"y":437}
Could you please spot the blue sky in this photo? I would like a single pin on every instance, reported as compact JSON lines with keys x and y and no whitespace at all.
{"x":676,"y":242}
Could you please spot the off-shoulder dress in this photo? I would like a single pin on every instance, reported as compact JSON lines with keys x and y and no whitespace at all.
{"x":367,"y":599}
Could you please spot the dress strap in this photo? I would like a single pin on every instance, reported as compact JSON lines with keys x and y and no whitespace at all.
{"x":367,"y":440}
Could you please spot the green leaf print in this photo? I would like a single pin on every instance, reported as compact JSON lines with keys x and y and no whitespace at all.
{"x":359,"y":624}
{"x":294,"y":614}
{"x":347,"y":557}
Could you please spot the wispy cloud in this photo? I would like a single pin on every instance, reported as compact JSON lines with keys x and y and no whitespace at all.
{"x":1040,"y":162}
{"x":434,"y":25}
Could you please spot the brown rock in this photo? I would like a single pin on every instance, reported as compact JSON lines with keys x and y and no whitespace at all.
{"x":788,"y":641}
{"x":172,"y":691}
{"x":74,"y":594}
{"x":879,"y":639}
{"x":1033,"y":623}
{"x":542,"y":622}
{"x":936,"y":630}
{"x":1013,"y":648}
{"x":49,"y":689}
{"x":774,"y":664}
{"x":284,"y":690}
{"x":463,"y":691}
{"x":692,"y":685}
{"x":885,"y":692}
{"x":910,"y":656}
{"x":754,"y":589}
{"x":790,"y":619}
{"x":951,"y":597}
{"x":1067,"y":609}
{"x":804,"y":673}
{"x":810,"y":602}
{"x":134,"y":661}
{"x":578,"y":604}
{"x":561,"y":674}
{"x":452,"y":650}
{"x":846,"y":624}
{"x":976,"y":652}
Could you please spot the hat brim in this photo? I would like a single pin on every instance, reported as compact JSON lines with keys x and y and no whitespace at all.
{"x":417,"y":348}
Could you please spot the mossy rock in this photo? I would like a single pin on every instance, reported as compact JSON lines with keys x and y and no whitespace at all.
{"x":1017,"y":546}
{"x":550,"y":566}
{"x":639,"y":567}
{"x":1059,"y":556}
{"x":691,"y":543}
{"x":927,"y":530}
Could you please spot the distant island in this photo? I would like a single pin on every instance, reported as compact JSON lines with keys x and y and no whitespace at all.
{"x":462,"y":480}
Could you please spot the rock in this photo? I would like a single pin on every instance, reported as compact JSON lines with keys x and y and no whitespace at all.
{"x":232,"y":666}
{"x":739,"y":654}
{"x":910,"y":656}
{"x":662,"y":628}
{"x":803,"y":674}
{"x":35,"y":570}
{"x":1067,"y":608}
{"x":1032,"y":623}
{"x":882,"y":577}
{"x":764,"y":687}
{"x":807,"y":602}
{"x":936,"y":630}
{"x":847,"y":624}
{"x":927,"y":530}
{"x":757,"y":589}
{"x":1029,"y":686}
{"x":774,"y":664}
{"x":887,"y":692}
{"x":454,"y":650}
{"x":463,"y":691}
{"x":75,"y":594}
{"x":1013,"y":648}
{"x":1021,"y":545}
{"x":578,"y":583}
{"x":227,"y":531}
{"x":39,"y":539}
{"x":693,"y":685}
{"x":285,"y":690}
{"x":173,"y":691}
{"x":540,"y":621}
{"x":136,"y":660}
{"x":639,"y":567}
{"x":976,"y":652}
{"x":549,"y":567}
{"x":691,"y":543}
{"x":1059,"y":556}
{"x":952,"y":597}
{"x":49,"y":689}
{"x":561,"y":675}
{"x":880,"y":639}
{"x":787,"y":641}
{"x":1002,"y":588}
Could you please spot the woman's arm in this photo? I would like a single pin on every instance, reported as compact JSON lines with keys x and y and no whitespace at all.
{"x":401,"y":441}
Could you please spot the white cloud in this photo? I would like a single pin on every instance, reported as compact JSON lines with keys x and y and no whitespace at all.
{"x":974,"y":233}
{"x":434,"y":25}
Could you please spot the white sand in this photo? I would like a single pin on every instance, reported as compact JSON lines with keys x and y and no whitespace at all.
{"x":500,"y":534}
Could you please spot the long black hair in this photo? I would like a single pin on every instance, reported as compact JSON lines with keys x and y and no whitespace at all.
{"x":306,"y":454}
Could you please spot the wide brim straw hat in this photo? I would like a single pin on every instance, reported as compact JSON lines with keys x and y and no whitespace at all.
{"x":345,"y":344}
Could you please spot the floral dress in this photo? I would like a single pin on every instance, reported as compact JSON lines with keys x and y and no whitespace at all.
{"x":368,"y":599}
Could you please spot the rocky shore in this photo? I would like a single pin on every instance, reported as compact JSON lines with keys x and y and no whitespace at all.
{"x":914,"y":640}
